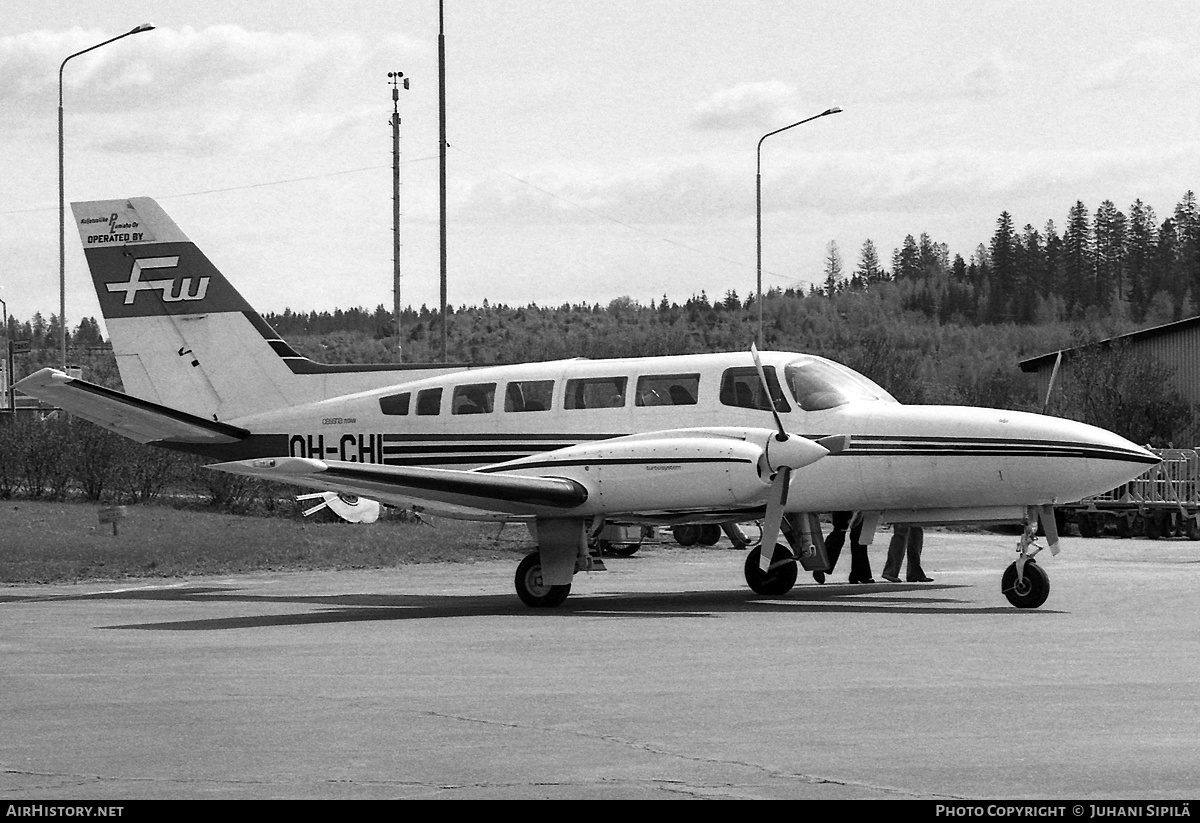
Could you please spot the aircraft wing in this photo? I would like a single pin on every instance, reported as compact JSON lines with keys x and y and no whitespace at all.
{"x":124,"y":414}
{"x":446,"y":489}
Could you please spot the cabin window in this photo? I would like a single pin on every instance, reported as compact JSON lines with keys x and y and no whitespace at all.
{"x":596,"y":393}
{"x":429,"y":401}
{"x":476,"y":398}
{"x":667,"y":390}
{"x":742,"y":388}
{"x":528,"y":395}
{"x":821,"y":384}
{"x":395,"y":404}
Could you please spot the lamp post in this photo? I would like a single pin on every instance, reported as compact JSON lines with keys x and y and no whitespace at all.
{"x":8,"y":378}
{"x":758,"y":209}
{"x":62,"y":205}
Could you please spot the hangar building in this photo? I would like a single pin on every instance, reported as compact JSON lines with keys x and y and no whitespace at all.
{"x":1175,"y":345}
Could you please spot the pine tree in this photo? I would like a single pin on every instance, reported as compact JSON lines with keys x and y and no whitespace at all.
{"x":1187,"y":228}
{"x":834,"y":280}
{"x":1140,"y":250}
{"x":906,"y":261}
{"x":1004,"y":269}
{"x":1110,"y":229}
{"x":869,"y":270}
{"x":1029,"y":258}
{"x":1077,"y":260}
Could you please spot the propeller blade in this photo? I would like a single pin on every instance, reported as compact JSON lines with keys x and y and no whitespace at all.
{"x":1053,"y":377}
{"x":1050,"y":527}
{"x":773,"y":518}
{"x":762,"y":378}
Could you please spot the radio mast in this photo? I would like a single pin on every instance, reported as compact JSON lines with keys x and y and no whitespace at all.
{"x":398,"y":79}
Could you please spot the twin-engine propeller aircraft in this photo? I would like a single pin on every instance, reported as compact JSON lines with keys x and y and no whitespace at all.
{"x":566,"y":446}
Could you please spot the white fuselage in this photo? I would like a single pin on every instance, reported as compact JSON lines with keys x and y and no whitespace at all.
{"x":911,"y":463}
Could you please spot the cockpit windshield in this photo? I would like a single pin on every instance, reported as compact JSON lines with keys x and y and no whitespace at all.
{"x":819,"y":384}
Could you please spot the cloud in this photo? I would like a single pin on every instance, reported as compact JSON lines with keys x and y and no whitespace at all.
{"x":744,"y":105}
{"x":171,"y":69}
{"x":202,"y":93}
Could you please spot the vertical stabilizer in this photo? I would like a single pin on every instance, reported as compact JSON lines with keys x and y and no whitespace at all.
{"x":182,"y":334}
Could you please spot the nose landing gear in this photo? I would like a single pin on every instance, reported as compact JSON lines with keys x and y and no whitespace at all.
{"x":1025,"y":583}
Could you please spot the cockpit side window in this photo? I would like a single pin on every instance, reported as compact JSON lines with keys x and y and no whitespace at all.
{"x":429,"y":401}
{"x":395,"y":403}
{"x":741,"y":387}
{"x":819,"y":384}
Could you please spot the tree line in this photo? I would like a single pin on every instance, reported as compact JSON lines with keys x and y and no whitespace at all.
{"x":1106,"y":264}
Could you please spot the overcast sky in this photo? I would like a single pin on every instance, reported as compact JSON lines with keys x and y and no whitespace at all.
{"x":598,"y":148}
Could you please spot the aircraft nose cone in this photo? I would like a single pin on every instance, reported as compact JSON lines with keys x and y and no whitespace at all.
{"x":1109,"y":460}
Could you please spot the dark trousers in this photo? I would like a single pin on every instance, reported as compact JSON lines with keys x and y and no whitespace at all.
{"x":860,"y":564}
{"x":907,"y":541}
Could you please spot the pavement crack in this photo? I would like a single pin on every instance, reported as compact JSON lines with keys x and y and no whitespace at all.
{"x":693,"y":790}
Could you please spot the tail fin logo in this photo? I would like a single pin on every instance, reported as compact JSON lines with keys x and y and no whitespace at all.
{"x":171,"y":293}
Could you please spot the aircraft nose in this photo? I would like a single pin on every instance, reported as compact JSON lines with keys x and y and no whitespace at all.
{"x":1108,"y":459}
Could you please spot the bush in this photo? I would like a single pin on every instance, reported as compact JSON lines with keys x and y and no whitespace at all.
{"x":60,"y":456}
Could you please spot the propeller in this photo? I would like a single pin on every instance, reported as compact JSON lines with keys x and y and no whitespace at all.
{"x":1045,"y":514}
{"x":346,"y":506}
{"x":785,"y":453}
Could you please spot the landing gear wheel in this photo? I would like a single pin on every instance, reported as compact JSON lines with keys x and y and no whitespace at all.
{"x":686,"y":535}
{"x":778,"y":580}
{"x":710,"y":534}
{"x":1156,"y":527}
{"x":531,"y":589}
{"x":1030,"y":592}
{"x":619,"y":549}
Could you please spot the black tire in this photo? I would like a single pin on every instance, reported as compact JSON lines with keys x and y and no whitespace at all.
{"x":1155,"y":527}
{"x":710,"y":534}
{"x":619,"y":549}
{"x":778,"y":580}
{"x":530,"y":588}
{"x":1192,"y":529}
{"x":686,"y":534}
{"x":1030,"y":592}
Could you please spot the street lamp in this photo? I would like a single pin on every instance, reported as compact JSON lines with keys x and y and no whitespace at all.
{"x":62,"y":205}
{"x":758,"y":209}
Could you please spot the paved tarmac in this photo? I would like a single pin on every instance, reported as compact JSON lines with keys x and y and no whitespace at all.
{"x":661,"y":678}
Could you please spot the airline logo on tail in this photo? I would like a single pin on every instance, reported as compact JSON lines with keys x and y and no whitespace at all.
{"x":167,"y":285}
{"x":132,"y":246}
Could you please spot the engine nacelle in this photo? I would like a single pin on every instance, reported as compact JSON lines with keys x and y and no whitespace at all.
{"x":670,"y":473}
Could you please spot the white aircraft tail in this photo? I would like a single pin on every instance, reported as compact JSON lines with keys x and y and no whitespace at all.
{"x":182,"y":334}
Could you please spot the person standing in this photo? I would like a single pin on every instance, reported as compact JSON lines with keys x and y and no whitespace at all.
{"x":860,"y":564}
{"x":907,"y":542}
{"x":834,"y":543}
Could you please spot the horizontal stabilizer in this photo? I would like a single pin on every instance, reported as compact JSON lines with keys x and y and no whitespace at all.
{"x":128,"y":416}
{"x":401,"y":485}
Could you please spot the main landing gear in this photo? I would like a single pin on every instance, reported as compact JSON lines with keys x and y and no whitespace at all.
{"x":531,"y":588}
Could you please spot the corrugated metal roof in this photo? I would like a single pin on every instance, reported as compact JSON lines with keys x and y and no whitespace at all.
{"x":1043,"y":360}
